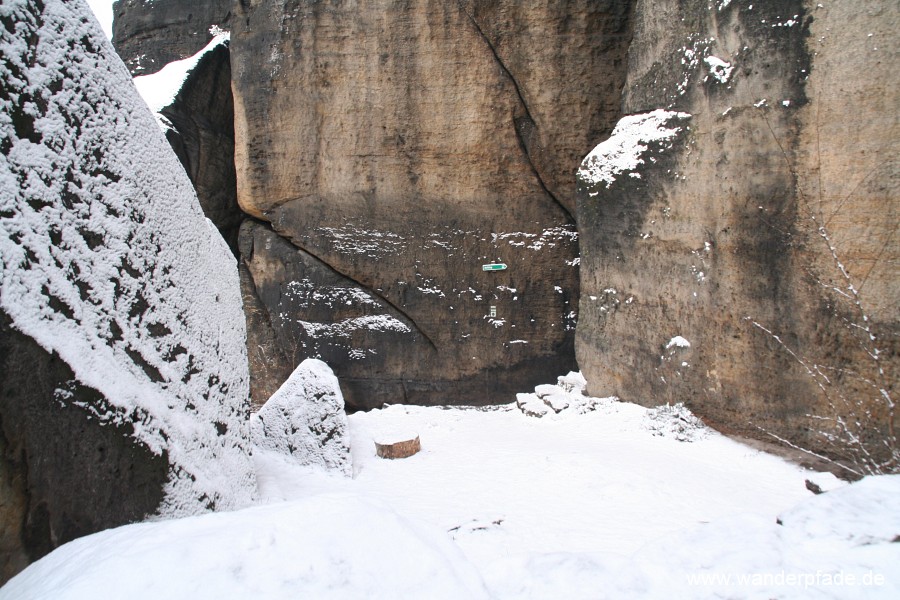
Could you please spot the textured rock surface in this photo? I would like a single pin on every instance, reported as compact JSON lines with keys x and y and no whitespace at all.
{"x":124,"y":378}
{"x":713,"y":232}
{"x":202,"y":135}
{"x":305,"y":419}
{"x":402,"y":147}
{"x":65,"y":473}
{"x":148,"y":34}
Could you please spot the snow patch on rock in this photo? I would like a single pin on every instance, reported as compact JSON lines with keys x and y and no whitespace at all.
{"x":305,"y":419}
{"x":159,"y":89}
{"x":678,"y":342}
{"x":719,"y":69}
{"x":624,"y":151}
{"x":344,"y":328}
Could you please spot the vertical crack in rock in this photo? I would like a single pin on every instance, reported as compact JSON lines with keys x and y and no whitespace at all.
{"x":254,"y":291}
{"x":521,"y":123}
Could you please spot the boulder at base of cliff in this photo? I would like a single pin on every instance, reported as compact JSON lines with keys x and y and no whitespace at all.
{"x":123,"y":370}
{"x":305,"y":419}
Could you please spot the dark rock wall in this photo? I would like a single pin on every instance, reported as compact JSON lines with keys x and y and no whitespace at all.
{"x":149,"y":34}
{"x":718,"y":239}
{"x":404,"y":145}
{"x":202,"y":135}
{"x":66,"y":474}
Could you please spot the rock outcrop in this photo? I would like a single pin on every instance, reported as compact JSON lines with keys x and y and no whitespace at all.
{"x":400,"y":148}
{"x":149,"y":34}
{"x":201,"y":131}
{"x":722,"y":267}
{"x":305,"y":419}
{"x":123,"y":378}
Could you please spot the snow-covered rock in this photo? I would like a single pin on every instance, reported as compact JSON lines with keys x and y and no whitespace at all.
{"x":627,"y":145}
{"x":110,"y":269}
{"x":305,"y":419}
{"x":553,"y":396}
{"x":532,"y":405}
{"x":573,"y":382}
{"x":567,"y":396}
{"x":675,"y":421}
{"x":160,"y":89}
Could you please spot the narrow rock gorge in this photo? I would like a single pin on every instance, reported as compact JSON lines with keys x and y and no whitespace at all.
{"x":689,"y":201}
{"x":744,"y":262}
{"x":384,"y":153}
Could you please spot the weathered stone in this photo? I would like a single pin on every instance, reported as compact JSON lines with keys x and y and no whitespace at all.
{"x":305,"y":419}
{"x":149,"y":34}
{"x":66,"y":473}
{"x":406,"y":146}
{"x":712,"y":236}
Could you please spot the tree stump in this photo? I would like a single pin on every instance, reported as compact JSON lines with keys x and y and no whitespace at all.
{"x":398,"y":449}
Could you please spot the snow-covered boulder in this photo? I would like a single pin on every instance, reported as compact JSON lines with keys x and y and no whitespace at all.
{"x":861,"y":514}
{"x":573,"y":382}
{"x":123,"y":362}
{"x":553,"y":396}
{"x":531,"y":405}
{"x":566,"y":397}
{"x":305,"y":419}
{"x":675,"y":421}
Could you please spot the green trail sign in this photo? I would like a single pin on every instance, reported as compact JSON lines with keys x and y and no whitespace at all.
{"x":494,"y":267}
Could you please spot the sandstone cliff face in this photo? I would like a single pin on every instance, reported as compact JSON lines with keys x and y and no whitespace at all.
{"x":386,"y":151}
{"x":123,"y":378}
{"x":715,"y":235}
{"x":148,"y":34}
{"x":399,"y":148}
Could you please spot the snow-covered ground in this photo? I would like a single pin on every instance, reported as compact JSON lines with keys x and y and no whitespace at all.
{"x":598,"y":501}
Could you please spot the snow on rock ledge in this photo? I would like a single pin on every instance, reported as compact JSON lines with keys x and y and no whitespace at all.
{"x":623,"y":152}
{"x":108,"y":261}
{"x":160,"y":89}
{"x":305,"y":419}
